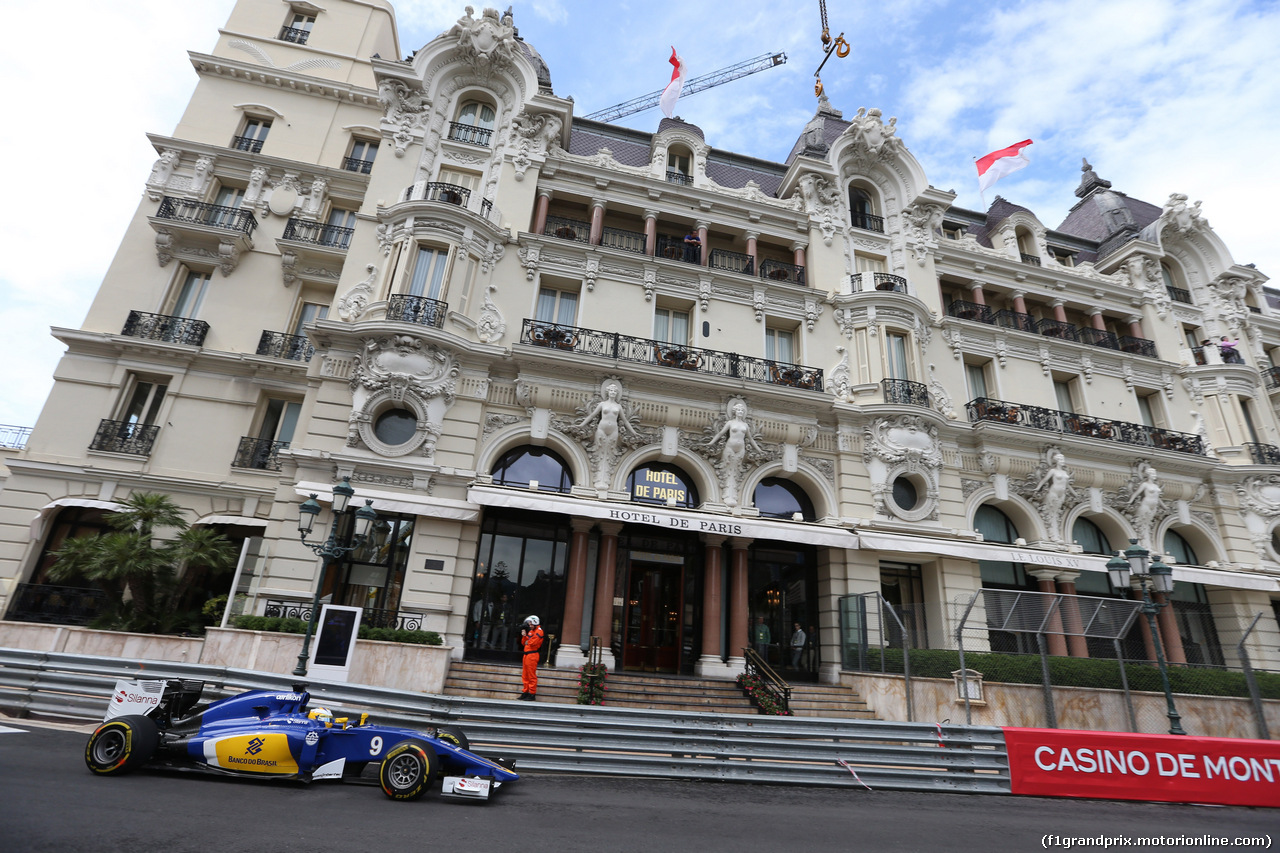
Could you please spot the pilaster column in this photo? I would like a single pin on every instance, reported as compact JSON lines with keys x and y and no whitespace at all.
{"x":1076,"y":644}
{"x":650,"y":231}
{"x":1057,"y":643}
{"x":1169,"y":636}
{"x":606,"y":571}
{"x":575,"y":585}
{"x":797,"y":253}
{"x":1135,"y":327}
{"x":540,"y":212}
{"x":705,"y":251}
{"x":597,"y":220}
{"x":1019,"y":301}
{"x":976,"y":293}
{"x":1059,"y":310}
{"x":1097,"y":320}
{"x":711,"y":597}
{"x":754,"y":251}
{"x":738,"y":639}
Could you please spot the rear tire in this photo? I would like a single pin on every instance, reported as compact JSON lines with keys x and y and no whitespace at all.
{"x":407,"y":770}
{"x":122,"y":744}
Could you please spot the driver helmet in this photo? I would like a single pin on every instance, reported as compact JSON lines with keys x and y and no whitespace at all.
{"x":321,"y":715}
{"x":532,"y":620}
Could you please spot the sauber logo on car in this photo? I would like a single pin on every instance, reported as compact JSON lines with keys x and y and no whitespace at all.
{"x":134,"y":697}
{"x":267,"y":753}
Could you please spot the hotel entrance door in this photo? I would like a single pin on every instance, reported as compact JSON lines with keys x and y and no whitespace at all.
{"x":651,"y":641}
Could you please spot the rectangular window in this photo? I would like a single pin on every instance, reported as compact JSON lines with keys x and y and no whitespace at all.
{"x":428,"y":273}
{"x":143,"y":401}
{"x":671,"y":326}
{"x":191,"y":295}
{"x":869,"y":263}
{"x":311,"y":311}
{"x":896,"y":351}
{"x":279,"y":420}
{"x":298,"y":28}
{"x":227,"y":203}
{"x":976,"y":375}
{"x":361,"y":157}
{"x":252,"y":136}
{"x":779,"y":345}
{"x":557,"y":306}
{"x":1249,"y":422}
{"x":1062,"y":391}
{"x":1145,"y":411}
{"x":338,"y":229}
{"x":459,"y":178}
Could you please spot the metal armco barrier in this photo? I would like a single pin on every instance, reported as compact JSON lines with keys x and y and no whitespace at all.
{"x":578,"y":738}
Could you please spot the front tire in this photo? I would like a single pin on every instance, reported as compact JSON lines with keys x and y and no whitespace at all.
{"x":453,"y":735}
{"x":407,"y":770}
{"x":121,"y":745}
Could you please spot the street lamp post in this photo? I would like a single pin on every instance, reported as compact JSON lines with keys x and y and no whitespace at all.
{"x":1150,"y":574}
{"x":329,"y":549}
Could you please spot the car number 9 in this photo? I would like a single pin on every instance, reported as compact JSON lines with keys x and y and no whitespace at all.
{"x":375,"y":746}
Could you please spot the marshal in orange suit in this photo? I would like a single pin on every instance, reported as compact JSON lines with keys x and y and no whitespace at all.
{"x":531,"y":641}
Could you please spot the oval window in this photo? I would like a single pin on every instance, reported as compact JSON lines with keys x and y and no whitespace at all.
{"x":395,"y":427}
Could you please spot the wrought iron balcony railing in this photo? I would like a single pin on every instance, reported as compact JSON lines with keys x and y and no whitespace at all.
{"x":1137,"y":346}
{"x":14,"y":436}
{"x":1013,"y":320}
{"x":294,"y":34}
{"x":1057,"y":329}
{"x":372,"y":617}
{"x":568,"y":229}
{"x":889,"y":282}
{"x":738,"y":262}
{"x":1098,"y":338}
{"x":1034,"y":260}
{"x":318,"y":234}
{"x":436,"y":191}
{"x":162,"y":327}
{"x":674,"y":177}
{"x":666,"y":354}
{"x":782,"y":271}
{"x":125,"y":437}
{"x":247,"y":143}
{"x":261,"y":454}
{"x":627,"y":241}
{"x":417,"y":309}
{"x":1071,"y":423}
{"x":203,"y":213}
{"x":355,"y":164}
{"x":868,"y":222}
{"x":1271,"y":375}
{"x":905,"y":392}
{"x":57,"y":605}
{"x":1263,"y":454}
{"x":1177,"y":294}
{"x":676,"y":249}
{"x":280,"y":345}
{"x":962,"y":310}
{"x":470,"y":134}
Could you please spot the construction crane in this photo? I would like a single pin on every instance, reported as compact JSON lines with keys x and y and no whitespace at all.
{"x":706,"y":81}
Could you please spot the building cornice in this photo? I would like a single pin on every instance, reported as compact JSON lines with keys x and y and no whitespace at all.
{"x":281,"y":78}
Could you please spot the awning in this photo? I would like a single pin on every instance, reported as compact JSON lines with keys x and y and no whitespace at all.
{"x":901,"y":544}
{"x":408,"y":503}
{"x":665,"y":517}
{"x":37,"y":523}
{"x":241,"y":520}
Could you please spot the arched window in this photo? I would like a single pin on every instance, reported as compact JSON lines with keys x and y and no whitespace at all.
{"x":661,"y":483}
{"x":1178,"y":549}
{"x":862,"y":210}
{"x":474,"y":124}
{"x":1090,"y":537}
{"x":994,"y":525}
{"x":524,"y":465}
{"x":779,"y":498}
{"x":1027,"y":248}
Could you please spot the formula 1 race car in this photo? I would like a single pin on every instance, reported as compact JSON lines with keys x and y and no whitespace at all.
{"x":272,"y":734}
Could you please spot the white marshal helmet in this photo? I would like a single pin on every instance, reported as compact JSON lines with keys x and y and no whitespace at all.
{"x":532,"y":620}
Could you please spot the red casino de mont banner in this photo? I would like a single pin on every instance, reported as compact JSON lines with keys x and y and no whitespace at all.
{"x":1161,"y":768}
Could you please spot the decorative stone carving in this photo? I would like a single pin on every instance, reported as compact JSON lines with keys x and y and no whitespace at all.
{"x":491,"y":326}
{"x":161,"y":172}
{"x":921,"y":223}
{"x":873,"y":140}
{"x":704,"y":292}
{"x":903,"y":446}
{"x":1182,"y":218}
{"x":404,"y":109}
{"x":485,"y":44}
{"x":203,"y":172}
{"x":838,"y":378}
{"x":1139,"y":500}
{"x":821,"y":202}
{"x":384,"y":237}
{"x":401,"y":372}
{"x":534,"y":136}
{"x":1049,"y":489}
{"x":1259,"y":498}
{"x":355,"y":302}
{"x":530,"y":258}
{"x":812,"y":311}
{"x":758,"y":297}
{"x":730,"y":444}
{"x":606,"y":425}
{"x":591,"y":271}
{"x":493,"y":423}
{"x":315,"y":200}
{"x":1144,"y":275}
{"x":941,"y":399}
{"x":254,"y":192}
{"x":164,"y":245}
{"x":228,"y":256}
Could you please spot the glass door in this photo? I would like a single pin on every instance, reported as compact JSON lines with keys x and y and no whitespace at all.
{"x":653,"y":607}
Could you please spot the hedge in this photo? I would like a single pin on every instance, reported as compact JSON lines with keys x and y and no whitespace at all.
{"x":299,"y":626}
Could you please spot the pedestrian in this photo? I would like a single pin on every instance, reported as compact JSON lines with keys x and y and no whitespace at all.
{"x":761,"y":637}
{"x":797,"y":645}
{"x":498,"y":630}
{"x":530,"y":641}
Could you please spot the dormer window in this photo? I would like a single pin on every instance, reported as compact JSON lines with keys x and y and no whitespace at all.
{"x":678,"y":168}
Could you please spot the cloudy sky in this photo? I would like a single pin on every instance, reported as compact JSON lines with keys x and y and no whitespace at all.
{"x":1161,"y":95}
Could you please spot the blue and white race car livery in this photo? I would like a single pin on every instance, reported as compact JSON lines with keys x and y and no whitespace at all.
{"x":277,"y":734}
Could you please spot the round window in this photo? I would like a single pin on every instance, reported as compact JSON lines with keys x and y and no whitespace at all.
{"x":905,"y":494}
{"x":395,"y":427}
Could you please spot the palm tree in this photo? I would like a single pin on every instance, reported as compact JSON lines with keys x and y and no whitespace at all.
{"x":145,"y":573}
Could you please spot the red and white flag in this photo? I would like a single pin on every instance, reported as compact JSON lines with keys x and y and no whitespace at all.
{"x":671,"y":94}
{"x":998,"y":164}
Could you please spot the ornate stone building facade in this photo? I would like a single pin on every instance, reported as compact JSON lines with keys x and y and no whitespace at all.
{"x":653,"y":391}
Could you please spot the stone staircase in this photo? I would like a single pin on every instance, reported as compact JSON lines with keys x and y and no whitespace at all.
{"x":662,"y":693}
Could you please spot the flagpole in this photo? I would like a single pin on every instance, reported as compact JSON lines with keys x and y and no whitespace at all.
{"x":981,"y":194}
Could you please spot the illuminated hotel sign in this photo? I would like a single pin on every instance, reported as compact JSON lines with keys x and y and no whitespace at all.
{"x":659,"y":486}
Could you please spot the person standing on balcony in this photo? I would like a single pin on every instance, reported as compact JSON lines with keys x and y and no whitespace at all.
{"x":530,"y":642}
{"x":1230,"y":355}
{"x":692,"y":248}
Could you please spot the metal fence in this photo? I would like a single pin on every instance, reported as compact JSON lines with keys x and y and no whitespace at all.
{"x":597,"y":740}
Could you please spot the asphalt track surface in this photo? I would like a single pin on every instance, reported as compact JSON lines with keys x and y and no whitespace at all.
{"x":50,"y":802}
